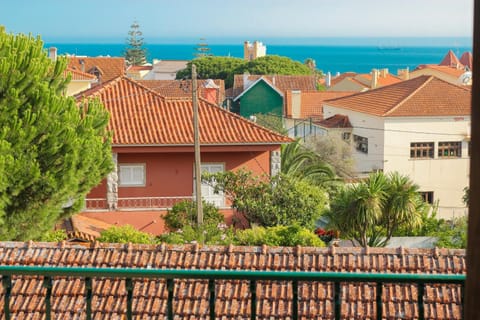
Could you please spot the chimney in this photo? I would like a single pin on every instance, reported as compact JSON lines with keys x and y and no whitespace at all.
{"x":374,"y":83}
{"x":403,"y":74}
{"x":82,"y":64}
{"x":246,"y":82}
{"x":52,"y":53}
{"x":383,"y":72}
{"x":328,"y":80}
{"x":296,"y":104}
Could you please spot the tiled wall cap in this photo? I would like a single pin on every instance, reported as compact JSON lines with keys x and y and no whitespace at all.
{"x":401,"y":251}
{"x":30,"y":244}
{"x":162,"y":248}
{"x":366,"y":250}
{"x":128,"y":247}
{"x":332,"y":250}
{"x":264,"y":249}
{"x":230,"y":248}
{"x":436,"y":252}
{"x":195,"y":247}
{"x":298,"y":250}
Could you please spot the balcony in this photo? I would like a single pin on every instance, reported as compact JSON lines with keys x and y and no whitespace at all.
{"x":135,"y":203}
{"x":172,"y":281}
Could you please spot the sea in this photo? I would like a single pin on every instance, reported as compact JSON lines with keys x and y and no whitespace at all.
{"x":328,"y":58}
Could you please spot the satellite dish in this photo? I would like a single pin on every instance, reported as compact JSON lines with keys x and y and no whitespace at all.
{"x":466,"y":78}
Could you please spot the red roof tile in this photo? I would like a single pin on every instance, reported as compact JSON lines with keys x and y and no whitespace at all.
{"x":336,"y":121}
{"x":175,"y":89}
{"x":108,"y":67}
{"x":445,"y":69}
{"x":282,"y":82}
{"x":312,"y":102}
{"x":140,"y":116}
{"x":450,"y":60}
{"x":274,"y":298}
{"x":381,"y":80}
{"x":421,"y":96}
{"x":467,"y":60}
{"x":78,"y":75}
{"x":342,"y":76}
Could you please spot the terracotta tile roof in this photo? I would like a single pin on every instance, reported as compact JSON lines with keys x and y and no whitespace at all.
{"x":445,"y":69}
{"x":78,"y":75}
{"x":382,"y":80}
{"x":312,"y":102}
{"x":109,"y":67}
{"x":274,"y":298}
{"x":467,"y":59}
{"x":282,"y":82}
{"x":139,"y":68}
{"x":336,"y":121}
{"x":140,"y":116}
{"x":450,"y":60}
{"x":169,"y":66}
{"x":342,"y":76}
{"x":421,"y":96}
{"x":175,"y":89}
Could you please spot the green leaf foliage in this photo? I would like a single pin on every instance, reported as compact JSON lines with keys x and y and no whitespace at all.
{"x":52,"y":150}
{"x":206,"y":234}
{"x":54,"y":236}
{"x":288,"y":236}
{"x":281,"y":200}
{"x":184,"y":214}
{"x":226,"y":67}
{"x":372,"y":210}
{"x":125,"y":234}
{"x":135,"y":53}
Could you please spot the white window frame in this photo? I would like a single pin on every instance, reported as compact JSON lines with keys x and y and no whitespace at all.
{"x":207,"y":191}
{"x":134,"y":182}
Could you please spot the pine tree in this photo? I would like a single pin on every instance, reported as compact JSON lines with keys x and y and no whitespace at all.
{"x":52,"y":151}
{"x":135,"y":54}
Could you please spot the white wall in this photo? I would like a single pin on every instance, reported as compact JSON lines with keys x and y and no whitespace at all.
{"x":446,"y":177}
{"x":389,"y":149}
{"x":367,"y":126}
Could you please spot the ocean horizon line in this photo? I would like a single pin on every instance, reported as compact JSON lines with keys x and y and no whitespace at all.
{"x":286,"y":41}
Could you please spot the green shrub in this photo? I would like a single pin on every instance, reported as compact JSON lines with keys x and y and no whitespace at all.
{"x":54,"y":236}
{"x":206,"y":234}
{"x":125,"y":234}
{"x":184,"y":214}
{"x":288,"y":236}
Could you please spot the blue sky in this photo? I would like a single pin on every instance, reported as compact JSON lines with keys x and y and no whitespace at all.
{"x":167,"y":21}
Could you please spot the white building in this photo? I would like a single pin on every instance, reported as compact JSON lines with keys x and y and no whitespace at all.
{"x":165,"y":69}
{"x":420,"y":128}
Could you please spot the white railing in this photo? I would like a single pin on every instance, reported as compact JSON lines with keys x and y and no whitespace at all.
{"x":134,"y":203}
{"x":149,"y":202}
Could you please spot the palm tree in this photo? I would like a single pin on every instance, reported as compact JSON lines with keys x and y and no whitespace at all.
{"x":403,"y":205}
{"x":372,"y":210}
{"x":357,"y":209}
{"x":300,"y":162}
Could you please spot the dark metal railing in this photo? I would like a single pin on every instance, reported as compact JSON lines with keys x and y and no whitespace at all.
{"x":253,"y":276}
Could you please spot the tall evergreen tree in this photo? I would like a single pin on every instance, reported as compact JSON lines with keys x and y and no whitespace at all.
{"x":52,"y":151}
{"x":135,"y":54}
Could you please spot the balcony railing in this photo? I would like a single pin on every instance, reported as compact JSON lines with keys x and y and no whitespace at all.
{"x":135,"y":203}
{"x":253,"y":276}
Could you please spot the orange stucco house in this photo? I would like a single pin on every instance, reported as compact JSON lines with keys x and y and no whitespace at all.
{"x":153,"y":153}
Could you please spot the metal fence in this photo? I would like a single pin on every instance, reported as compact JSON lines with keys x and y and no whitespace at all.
{"x":252,"y":276}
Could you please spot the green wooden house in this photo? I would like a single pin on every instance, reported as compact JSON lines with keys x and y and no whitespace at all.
{"x":254,"y":94}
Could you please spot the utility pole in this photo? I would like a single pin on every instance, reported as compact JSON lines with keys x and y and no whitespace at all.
{"x":196,"y":142}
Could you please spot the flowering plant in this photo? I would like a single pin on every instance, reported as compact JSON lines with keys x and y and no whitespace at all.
{"x":325,"y":235}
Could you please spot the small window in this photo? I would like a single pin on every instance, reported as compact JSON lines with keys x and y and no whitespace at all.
{"x":346,"y":136}
{"x":361,"y":143}
{"x":208,"y":193}
{"x":421,"y":150}
{"x":451,"y":149}
{"x":132,"y":175}
{"x":427,"y":196}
